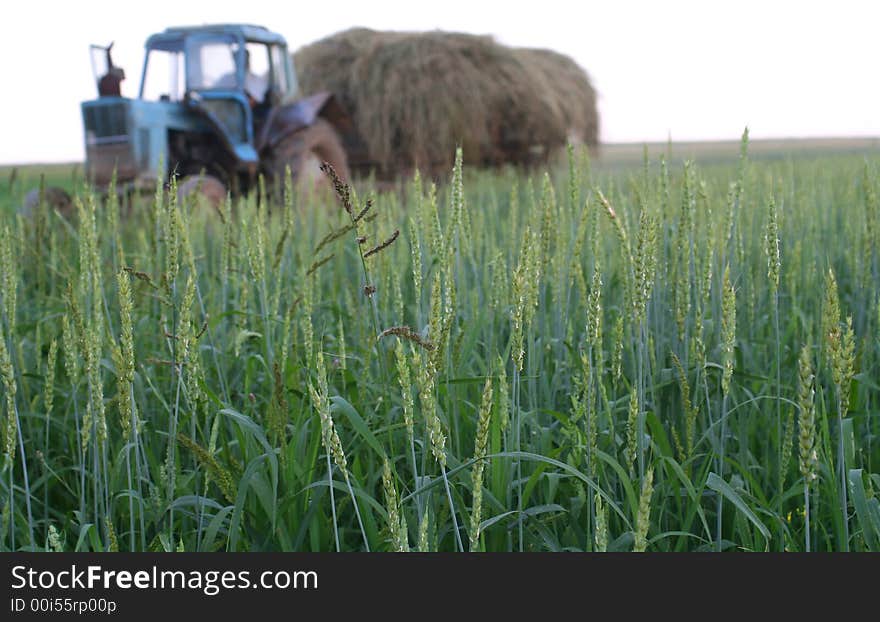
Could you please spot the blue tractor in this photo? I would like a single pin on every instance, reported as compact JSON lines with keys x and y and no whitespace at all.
{"x":218,"y":107}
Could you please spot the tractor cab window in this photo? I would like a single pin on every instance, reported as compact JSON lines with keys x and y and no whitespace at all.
{"x":279,"y":71}
{"x":163,"y":76}
{"x":257,"y":76}
{"x":266,"y":78}
{"x":212,"y":65}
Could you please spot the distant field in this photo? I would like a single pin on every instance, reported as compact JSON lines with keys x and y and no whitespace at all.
{"x":611,"y":355}
{"x":610,"y":157}
{"x":718,"y":151}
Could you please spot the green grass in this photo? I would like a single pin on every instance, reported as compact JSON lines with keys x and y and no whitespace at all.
{"x":253,"y":407}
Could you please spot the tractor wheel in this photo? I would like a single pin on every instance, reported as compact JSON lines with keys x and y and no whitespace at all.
{"x":204,"y":189}
{"x":304,"y":151}
{"x":56,"y":199}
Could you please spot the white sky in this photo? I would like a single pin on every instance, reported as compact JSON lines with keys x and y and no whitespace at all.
{"x":685,"y":69}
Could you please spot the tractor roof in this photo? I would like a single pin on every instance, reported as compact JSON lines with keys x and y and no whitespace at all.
{"x":173,"y":37}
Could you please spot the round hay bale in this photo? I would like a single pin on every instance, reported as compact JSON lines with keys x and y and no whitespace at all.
{"x":415,"y":97}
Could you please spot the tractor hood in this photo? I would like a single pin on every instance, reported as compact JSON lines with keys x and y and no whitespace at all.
{"x":292,"y":117}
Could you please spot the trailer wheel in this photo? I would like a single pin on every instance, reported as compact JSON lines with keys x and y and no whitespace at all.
{"x":304,"y":151}
{"x":55,"y":199}
{"x":203,"y":190}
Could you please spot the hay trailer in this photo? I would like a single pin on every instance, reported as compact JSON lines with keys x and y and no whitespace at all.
{"x":218,"y":107}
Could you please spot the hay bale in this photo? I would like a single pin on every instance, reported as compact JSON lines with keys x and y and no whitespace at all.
{"x":415,"y":97}
{"x":325,"y":64}
{"x":567,"y":89}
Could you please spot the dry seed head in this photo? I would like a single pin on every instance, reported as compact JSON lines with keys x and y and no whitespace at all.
{"x":333,"y":236}
{"x":318,"y":263}
{"x":405,"y":332}
{"x":368,"y":204}
{"x":380,"y":247}
{"x":343,"y":191}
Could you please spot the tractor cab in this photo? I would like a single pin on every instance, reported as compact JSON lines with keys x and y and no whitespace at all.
{"x":234,"y":74}
{"x":213,"y":100}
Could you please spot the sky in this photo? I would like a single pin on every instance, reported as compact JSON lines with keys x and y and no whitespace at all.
{"x":683,"y":70}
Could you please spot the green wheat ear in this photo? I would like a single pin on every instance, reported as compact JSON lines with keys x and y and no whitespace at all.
{"x":643,"y":518}
{"x":10,"y":428}
{"x":807,"y":448}
{"x":728,"y":330}
{"x":481,"y":442}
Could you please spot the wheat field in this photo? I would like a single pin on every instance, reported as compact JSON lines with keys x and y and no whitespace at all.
{"x":667,"y":356}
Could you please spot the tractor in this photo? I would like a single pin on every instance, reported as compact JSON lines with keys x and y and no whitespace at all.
{"x":218,"y":108}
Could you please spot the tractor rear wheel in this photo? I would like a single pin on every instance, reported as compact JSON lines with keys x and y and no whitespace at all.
{"x":204,"y":190}
{"x":304,"y":151}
